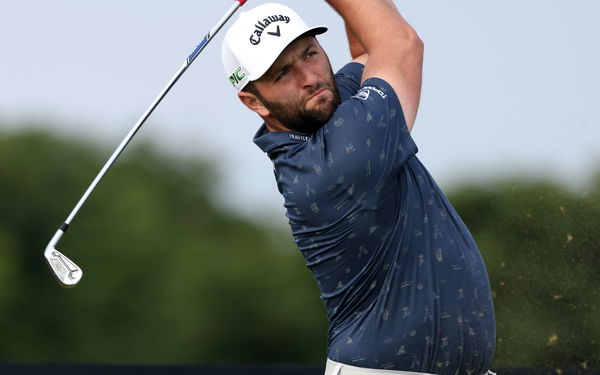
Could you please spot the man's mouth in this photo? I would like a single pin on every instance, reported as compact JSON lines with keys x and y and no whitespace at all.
{"x":317,"y":94}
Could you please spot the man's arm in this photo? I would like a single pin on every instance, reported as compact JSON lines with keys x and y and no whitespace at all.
{"x":394,"y":50}
{"x":357,"y":51}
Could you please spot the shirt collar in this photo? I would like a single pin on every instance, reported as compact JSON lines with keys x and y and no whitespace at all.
{"x":269,"y":141}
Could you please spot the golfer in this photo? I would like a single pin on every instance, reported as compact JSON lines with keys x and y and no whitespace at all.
{"x":404,"y":285}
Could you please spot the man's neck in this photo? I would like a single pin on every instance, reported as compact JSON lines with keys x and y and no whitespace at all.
{"x":275,"y":126}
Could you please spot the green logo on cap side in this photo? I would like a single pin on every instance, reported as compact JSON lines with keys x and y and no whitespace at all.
{"x":237,"y":76}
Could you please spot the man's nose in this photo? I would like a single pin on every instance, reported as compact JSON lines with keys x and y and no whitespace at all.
{"x":309,"y":78}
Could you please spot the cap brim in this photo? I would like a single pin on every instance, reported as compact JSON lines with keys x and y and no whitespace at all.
{"x":316,"y":30}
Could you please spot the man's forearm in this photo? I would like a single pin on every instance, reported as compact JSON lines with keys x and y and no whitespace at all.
{"x":394,"y":51}
{"x":359,"y":36}
{"x":356,"y":47}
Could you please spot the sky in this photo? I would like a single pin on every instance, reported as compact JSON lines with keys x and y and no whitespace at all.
{"x":509,"y":87}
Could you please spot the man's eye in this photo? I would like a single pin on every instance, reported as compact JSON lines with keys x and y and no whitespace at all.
{"x":282,"y":74}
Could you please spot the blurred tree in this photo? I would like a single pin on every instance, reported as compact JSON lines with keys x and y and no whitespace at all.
{"x":171,"y":278}
{"x":541,"y":244}
{"x":168,"y":277}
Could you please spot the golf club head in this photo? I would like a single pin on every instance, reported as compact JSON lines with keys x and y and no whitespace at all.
{"x":66,"y":272}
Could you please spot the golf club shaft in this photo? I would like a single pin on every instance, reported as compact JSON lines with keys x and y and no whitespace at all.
{"x":147,"y":114}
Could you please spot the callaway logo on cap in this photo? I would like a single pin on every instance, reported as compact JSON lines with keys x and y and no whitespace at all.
{"x":257,"y":38}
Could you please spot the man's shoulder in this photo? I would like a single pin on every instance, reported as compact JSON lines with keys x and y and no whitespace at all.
{"x":348,"y":79}
{"x":351,"y":70}
{"x":375,"y":98}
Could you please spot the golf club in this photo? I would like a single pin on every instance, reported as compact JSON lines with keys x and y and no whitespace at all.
{"x":66,"y":271}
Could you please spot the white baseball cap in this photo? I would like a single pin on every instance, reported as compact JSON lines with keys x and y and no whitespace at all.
{"x":257,"y":38}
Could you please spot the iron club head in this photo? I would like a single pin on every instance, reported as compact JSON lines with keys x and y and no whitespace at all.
{"x":66,"y":272}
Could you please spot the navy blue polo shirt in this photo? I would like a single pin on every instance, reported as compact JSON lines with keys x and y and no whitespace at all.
{"x":403,"y":282}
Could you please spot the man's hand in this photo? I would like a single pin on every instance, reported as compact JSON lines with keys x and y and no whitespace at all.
{"x":394,"y":51}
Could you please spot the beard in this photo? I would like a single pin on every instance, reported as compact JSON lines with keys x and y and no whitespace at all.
{"x":296,"y":116}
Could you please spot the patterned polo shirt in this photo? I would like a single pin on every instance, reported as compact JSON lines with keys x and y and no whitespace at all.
{"x":403,"y":282}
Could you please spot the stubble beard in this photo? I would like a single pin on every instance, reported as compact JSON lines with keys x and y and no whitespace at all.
{"x":295,"y":116}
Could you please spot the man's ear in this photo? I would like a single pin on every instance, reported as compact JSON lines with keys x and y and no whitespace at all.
{"x":253,"y":103}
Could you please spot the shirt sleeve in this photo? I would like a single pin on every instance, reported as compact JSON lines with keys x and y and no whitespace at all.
{"x":367,"y":141}
{"x":348,"y":80}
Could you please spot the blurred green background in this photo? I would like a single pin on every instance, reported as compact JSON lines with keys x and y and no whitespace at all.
{"x":169,"y":277}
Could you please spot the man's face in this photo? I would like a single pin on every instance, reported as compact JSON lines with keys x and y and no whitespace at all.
{"x":299,"y":89}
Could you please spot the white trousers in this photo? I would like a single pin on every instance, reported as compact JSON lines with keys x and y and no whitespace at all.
{"x":336,"y":368}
